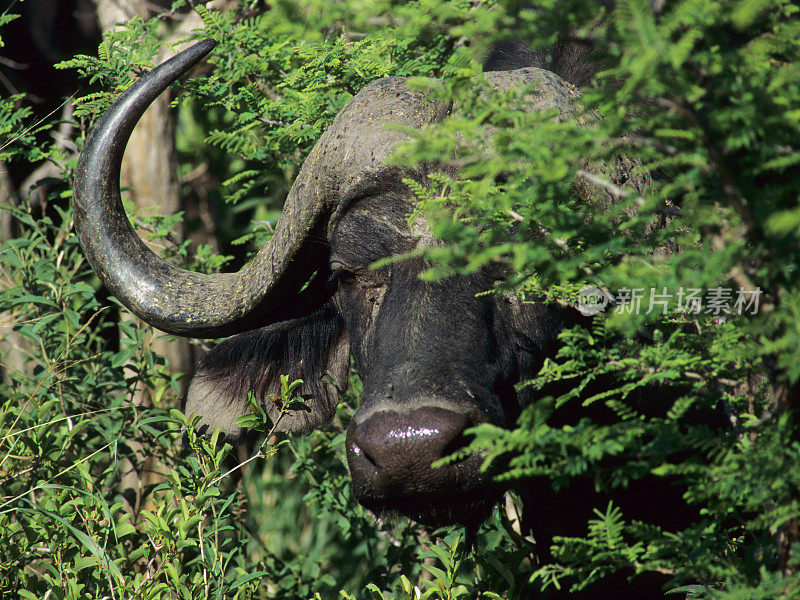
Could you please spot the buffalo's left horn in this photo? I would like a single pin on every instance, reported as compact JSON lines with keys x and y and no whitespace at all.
{"x":176,"y":300}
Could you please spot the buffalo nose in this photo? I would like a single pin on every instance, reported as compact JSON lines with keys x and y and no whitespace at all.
{"x":394,"y":451}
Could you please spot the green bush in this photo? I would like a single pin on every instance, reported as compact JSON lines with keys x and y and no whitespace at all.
{"x":698,"y":99}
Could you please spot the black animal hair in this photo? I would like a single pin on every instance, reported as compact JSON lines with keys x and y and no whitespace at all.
{"x":508,"y":55}
{"x":255,"y":360}
{"x":569,"y":59}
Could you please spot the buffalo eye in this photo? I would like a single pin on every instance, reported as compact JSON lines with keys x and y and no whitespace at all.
{"x":346,"y":277}
{"x":343,"y":277}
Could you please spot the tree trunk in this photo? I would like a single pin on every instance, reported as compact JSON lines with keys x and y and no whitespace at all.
{"x":14,"y":348}
{"x":149,"y":172}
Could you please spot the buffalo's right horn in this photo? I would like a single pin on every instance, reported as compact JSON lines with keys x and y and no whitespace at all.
{"x":173,"y":299}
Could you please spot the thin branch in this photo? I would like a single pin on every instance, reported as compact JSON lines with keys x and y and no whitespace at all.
{"x":641,"y":141}
{"x":617,"y":192}
{"x":612,"y":189}
{"x":271,"y":122}
{"x":267,"y":440}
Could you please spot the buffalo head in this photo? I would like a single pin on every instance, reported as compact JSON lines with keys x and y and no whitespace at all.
{"x":435,"y":358}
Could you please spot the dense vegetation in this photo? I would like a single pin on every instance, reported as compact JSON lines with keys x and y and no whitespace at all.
{"x":697,"y":98}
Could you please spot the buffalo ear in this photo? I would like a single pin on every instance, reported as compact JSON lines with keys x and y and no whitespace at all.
{"x":315,"y":349}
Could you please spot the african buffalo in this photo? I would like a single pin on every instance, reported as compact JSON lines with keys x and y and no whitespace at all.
{"x":435,"y":357}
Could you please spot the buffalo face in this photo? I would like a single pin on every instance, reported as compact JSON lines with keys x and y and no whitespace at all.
{"x":436,"y":358}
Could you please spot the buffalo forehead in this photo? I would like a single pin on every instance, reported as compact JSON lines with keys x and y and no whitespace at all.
{"x":548,"y":91}
{"x":353,"y":152}
{"x":360,"y":140}
{"x":351,"y":156}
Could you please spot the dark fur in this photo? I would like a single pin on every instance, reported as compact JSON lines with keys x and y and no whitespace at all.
{"x":571,"y":60}
{"x":254,"y":360}
{"x":448,"y":331}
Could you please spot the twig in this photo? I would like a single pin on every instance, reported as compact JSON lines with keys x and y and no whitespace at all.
{"x":39,"y":122}
{"x":617,"y":192}
{"x":271,"y":122}
{"x":638,"y":140}
{"x":256,"y":455}
{"x":612,"y":189}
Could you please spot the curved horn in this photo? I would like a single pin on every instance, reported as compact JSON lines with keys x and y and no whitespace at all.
{"x":172,"y":299}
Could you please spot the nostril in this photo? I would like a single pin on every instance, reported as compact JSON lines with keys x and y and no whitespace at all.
{"x":396,"y":445}
{"x":359,"y":451}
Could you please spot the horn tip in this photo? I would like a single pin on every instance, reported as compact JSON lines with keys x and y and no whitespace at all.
{"x":207,"y":45}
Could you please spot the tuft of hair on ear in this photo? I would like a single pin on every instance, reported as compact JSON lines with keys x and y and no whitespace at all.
{"x":314,"y":348}
{"x":571,"y":59}
{"x":510,"y":54}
